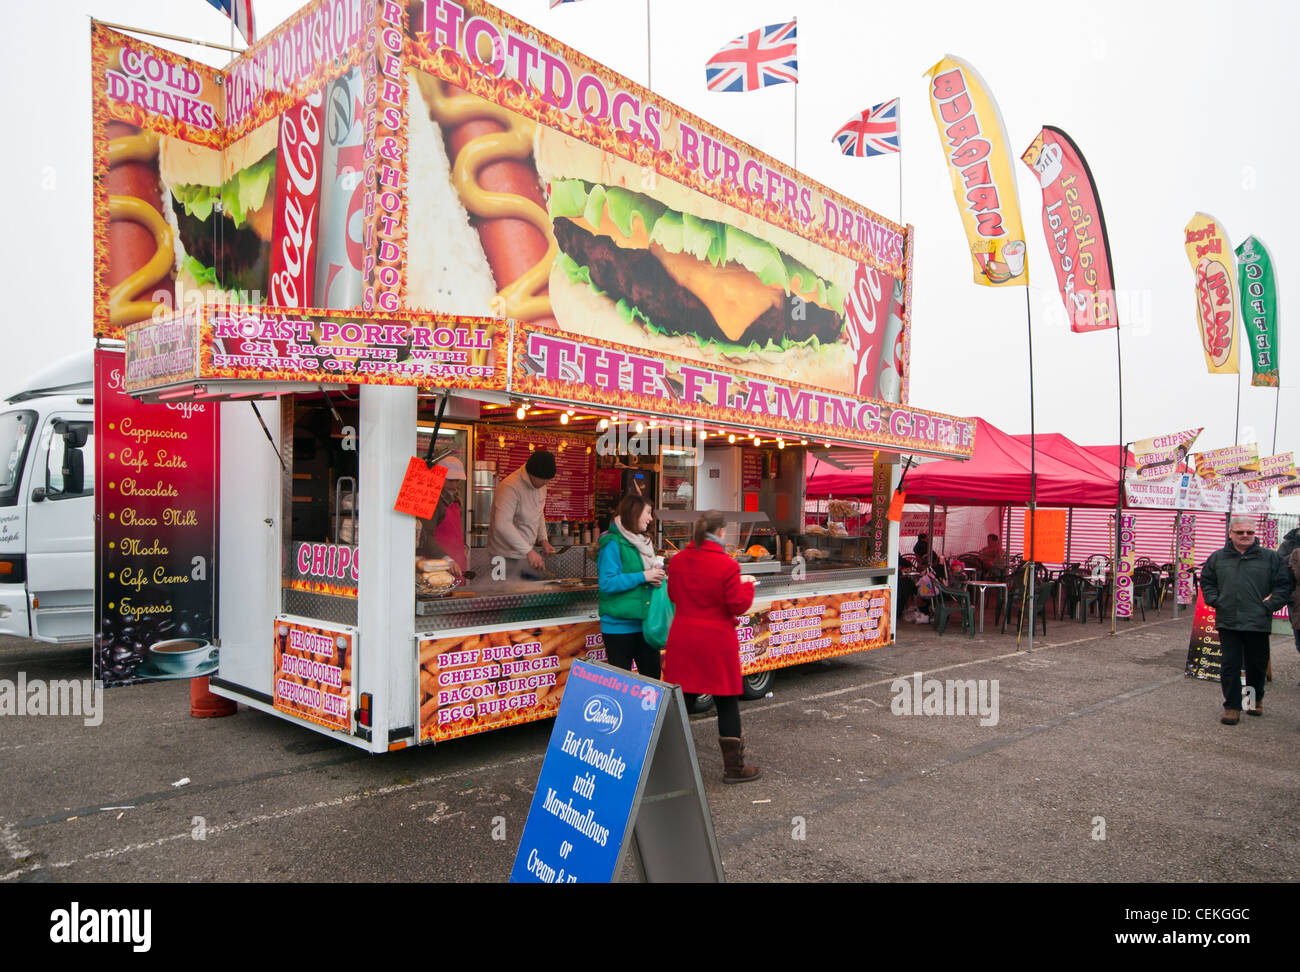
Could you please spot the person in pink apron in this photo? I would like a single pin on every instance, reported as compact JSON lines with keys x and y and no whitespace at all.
{"x":444,"y":534}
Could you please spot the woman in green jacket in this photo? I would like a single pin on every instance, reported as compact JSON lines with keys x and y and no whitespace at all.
{"x":628,"y":569}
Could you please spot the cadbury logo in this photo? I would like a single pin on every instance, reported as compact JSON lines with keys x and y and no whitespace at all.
{"x":604,"y":713}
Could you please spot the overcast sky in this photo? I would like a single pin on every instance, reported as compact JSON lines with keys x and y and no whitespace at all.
{"x":1175,"y":106}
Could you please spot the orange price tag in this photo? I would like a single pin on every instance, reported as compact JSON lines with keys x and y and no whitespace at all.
{"x":421,"y":487}
{"x":896,"y":507}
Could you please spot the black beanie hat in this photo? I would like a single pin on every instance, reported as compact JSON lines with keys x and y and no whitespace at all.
{"x":541,"y":464}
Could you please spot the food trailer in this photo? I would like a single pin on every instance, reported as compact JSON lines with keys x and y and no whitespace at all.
{"x":516,"y":249}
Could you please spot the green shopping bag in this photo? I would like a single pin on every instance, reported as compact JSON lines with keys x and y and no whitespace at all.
{"x":660,"y":617}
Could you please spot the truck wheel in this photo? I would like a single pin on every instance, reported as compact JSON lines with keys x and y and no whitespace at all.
{"x":702,"y":703}
{"x":756,"y":686}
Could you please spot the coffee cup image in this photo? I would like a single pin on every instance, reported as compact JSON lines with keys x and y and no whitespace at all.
{"x":1013,"y":254}
{"x":182,"y":656}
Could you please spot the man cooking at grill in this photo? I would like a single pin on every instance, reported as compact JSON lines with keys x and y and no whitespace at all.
{"x":517,"y":521}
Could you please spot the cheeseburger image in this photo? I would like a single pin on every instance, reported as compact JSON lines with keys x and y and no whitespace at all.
{"x":221,"y":206}
{"x":649,"y":263}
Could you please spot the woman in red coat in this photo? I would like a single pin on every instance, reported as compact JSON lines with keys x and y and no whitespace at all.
{"x":703,"y":653}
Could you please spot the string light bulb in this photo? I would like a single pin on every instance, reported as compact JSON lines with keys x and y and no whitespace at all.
{"x":604,"y":424}
{"x":520,"y":412}
{"x":564,"y":418}
{"x":731,"y":437}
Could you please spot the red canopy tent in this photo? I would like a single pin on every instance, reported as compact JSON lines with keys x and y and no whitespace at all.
{"x":1088,"y":460}
{"x":1109,"y":455}
{"x":999,"y":473}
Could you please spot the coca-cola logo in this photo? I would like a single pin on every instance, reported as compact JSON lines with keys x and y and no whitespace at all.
{"x":863,"y":311}
{"x":300,"y":145}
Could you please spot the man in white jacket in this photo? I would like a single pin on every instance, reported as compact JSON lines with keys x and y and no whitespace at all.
{"x":518,"y":520}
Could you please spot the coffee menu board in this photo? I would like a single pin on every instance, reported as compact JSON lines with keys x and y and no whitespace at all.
{"x":797,"y":630}
{"x":1204,"y":653}
{"x":155,"y":484}
{"x":571,"y":495}
{"x":751,"y":470}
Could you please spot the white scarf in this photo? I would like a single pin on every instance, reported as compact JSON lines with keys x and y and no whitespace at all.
{"x":643,"y":545}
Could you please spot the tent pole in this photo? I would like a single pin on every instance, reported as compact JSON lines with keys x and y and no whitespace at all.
{"x":929,"y":554}
{"x":1069,"y":529}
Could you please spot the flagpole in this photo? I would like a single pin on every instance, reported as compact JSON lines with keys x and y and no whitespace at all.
{"x":795,"y":166}
{"x":899,"y":135}
{"x":649,"y":86}
{"x":1033,"y":481}
{"x":176,"y":37}
{"x":1277,"y":402}
{"x":1236,"y":440}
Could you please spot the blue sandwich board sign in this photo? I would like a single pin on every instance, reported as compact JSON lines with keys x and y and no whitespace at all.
{"x":620,"y":769}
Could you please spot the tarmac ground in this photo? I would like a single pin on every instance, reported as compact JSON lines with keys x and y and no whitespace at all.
{"x":1104,"y":764}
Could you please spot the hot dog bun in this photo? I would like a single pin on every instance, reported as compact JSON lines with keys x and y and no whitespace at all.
{"x":446,"y":267}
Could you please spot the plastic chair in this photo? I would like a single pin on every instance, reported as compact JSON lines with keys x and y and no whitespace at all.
{"x":960,"y":598}
{"x":1095,"y":561}
{"x":1167,"y":585}
{"x":1072,"y":587}
{"x":1089,"y":594}
{"x":1043,"y":593}
{"x":1143,"y":582}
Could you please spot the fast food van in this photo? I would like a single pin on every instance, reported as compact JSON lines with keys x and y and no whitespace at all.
{"x":47,"y":484}
{"x":515,"y":249}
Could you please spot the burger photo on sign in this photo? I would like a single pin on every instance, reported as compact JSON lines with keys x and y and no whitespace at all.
{"x":652,"y":264}
{"x":221,"y":207}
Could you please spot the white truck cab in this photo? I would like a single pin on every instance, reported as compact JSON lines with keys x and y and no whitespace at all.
{"x":47,"y":505}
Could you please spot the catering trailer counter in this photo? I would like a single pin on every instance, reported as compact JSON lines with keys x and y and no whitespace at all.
{"x":516,"y":249}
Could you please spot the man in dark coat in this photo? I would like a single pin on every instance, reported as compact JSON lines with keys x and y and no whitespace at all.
{"x":1244,"y":583}
{"x":1289,"y":542}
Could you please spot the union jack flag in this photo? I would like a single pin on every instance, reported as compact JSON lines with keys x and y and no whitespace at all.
{"x":241,"y":12}
{"x":872,"y":132}
{"x":755,"y":60}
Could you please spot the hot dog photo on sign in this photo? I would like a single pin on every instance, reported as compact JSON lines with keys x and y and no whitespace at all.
{"x":511,"y":218}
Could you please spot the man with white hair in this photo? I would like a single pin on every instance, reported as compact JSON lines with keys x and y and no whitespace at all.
{"x":1245,"y":583}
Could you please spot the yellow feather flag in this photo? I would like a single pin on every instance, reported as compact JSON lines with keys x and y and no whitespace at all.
{"x":1210,"y":254}
{"x":975,"y":146}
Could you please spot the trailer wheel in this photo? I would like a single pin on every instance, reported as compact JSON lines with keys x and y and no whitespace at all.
{"x":756,"y":686}
{"x":702,"y":703}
